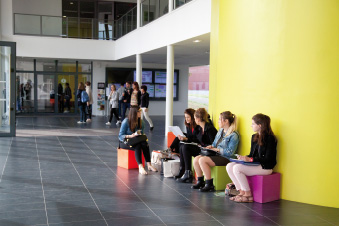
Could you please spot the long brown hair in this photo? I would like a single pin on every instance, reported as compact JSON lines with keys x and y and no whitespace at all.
{"x":201,"y":114}
{"x":81,"y":86}
{"x":265,"y":122}
{"x":136,"y":84}
{"x":232,"y":119}
{"x":190,"y":112}
{"x":133,"y":120}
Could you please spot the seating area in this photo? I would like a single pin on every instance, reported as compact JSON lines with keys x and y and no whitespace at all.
{"x":56,"y":172}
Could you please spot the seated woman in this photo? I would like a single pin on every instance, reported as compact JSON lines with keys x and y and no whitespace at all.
{"x":204,"y":137}
{"x":263,"y":150}
{"x":127,"y":131}
{"x":190,"y":135}
{"x":226,"y":143}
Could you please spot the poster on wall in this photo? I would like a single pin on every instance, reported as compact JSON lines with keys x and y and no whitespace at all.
{"x":101,"y":96}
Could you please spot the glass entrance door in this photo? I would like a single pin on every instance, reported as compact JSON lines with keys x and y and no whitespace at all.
{"x":66,"y":93}
{"x":46,"y":94}
{"x":7,"y":88}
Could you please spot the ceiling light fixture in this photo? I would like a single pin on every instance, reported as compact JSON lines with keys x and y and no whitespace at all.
{"x":71,"y":3}
{"x":63,"y":16}
{"x":197,"y":41}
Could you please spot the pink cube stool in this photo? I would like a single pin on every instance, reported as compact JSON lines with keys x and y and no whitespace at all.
{"x":265,"y":188}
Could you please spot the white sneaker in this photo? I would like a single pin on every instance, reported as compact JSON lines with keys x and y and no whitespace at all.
{"x":118,"y":122}
{"x":89,"y":120}
{"x":108,"y":123}
{"x":79,"y":122}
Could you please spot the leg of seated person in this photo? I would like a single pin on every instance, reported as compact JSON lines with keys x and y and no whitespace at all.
{"x":230,"y":172}
{"x":175,"y":145}
{"x":147,"y":155}
{"x":196,"y":165}
{"x":182,"y":160}
{"x":206,"y":163}
{"x":188,"y":151}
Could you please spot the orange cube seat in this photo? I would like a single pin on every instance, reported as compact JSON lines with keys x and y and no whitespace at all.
{"x":170,"y":138}
{"x":126,"y":159}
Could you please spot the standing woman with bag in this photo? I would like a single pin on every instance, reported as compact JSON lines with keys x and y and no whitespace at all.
{"x":114,"y":101}
{"x":205,"y":136}
{"x":136,"y":95}
{"x":225,"y":143}
{"x":129,"y":129}
{"x":81,"y":105}
{"x":263,"y":150}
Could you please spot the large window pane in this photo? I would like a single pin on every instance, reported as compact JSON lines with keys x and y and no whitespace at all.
{"x":47,"y":65}
{"x":84,"y":67}
{"x":144,"y":12}
{"x":24,"y":64}
{"x":5,"y":75}
{"x":66,"y":93}
{"x":46,"y":93}
{"x":66,"y":66}
{"x":51,"y":25}
{"x":27,"y":24}
{"x":163,"y":7}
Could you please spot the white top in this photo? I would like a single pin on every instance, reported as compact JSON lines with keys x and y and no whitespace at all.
{"x":90,"y":95}
{"x":114,"y":99}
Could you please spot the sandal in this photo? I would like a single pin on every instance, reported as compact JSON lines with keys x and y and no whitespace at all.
{"x":142,"y":170}
{"x":243,"y":199}
{"x":234,"y":197}
{"x":151,"y":168}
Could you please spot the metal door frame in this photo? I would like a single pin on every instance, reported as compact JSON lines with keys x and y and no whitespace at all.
{"x":12,"y":80}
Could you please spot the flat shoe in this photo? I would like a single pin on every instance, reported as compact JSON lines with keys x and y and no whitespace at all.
{"x":243,"y":199}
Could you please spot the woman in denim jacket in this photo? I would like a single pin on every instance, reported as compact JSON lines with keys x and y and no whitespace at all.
{"x":128,"y":130}
{"x":226,"y":143}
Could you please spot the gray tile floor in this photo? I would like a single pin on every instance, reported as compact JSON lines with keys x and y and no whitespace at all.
{"x":56,"y":172}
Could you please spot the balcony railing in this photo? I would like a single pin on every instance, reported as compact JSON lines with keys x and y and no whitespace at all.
{"x":85,"y":28}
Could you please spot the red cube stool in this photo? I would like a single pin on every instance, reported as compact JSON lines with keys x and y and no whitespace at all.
{"x":126,"y":159}
{"x":265,"y":188}
{"x":170,"y":138}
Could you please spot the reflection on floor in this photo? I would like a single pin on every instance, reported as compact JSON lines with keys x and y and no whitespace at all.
{"x":56,"y":172}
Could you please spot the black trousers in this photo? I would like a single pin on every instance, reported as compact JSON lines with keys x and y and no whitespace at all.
{"x":139,"y":148}
{"x":175,"y":146}
{"x":186,"y":153}
{"x":115,"y":112}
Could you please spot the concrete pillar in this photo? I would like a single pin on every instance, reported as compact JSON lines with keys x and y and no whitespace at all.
{"x":138,"y":13}
{"x":139,"y":69}
{"x":169,"y":87}
{"x":170,"y":5}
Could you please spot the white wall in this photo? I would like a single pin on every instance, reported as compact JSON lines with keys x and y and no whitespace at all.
{"x":155,"y":107}
{"x":38,"y":7}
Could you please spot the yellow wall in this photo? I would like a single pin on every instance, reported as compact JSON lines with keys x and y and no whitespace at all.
{"x":281,"y":58}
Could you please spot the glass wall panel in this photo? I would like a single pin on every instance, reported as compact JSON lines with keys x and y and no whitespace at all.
{"x":73,"y":27}
{"x":46,"y":93}
{"x":27,"y":24}
{"x":84,"y":78}
{"x":86,"y":27}
{"x":24,"y":92}
{"x":24,"y":64}
{"x":84,"y":67}
{"x":66,"y":66}
{"x":51,"y":26}
{"x":144,"y":12}
{"x":163,"y":8}
{"x":45,"y":65}
{"x":5,"y":75}
{"x":66,"y":93}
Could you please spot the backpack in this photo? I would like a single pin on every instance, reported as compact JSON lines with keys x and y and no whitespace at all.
{"x":84,"y":97}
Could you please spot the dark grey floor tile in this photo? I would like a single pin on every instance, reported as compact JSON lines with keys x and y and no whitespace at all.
{"x":135,"y":221}
{"x":82,"y":223}
{"x":75,"y":218}
{"x":298,"y":220}
{"x":246,"y":221}
{"x":178,"y":219}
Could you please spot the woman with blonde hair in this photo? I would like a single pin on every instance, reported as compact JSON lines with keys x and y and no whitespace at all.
{"x":204,"y":137}
{"x":114,"y":102}
{"x":225,"y":143}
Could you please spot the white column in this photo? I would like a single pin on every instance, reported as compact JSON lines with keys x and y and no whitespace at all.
{"x":170,"y":5}
{"x":139,"y":69}
{"x":138,"y":13}
{"x":169,"y":87}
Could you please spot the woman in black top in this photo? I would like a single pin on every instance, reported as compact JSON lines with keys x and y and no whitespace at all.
{"x":190,"y":136}
{"x":204,"y":136}
{"x":263,"y":151}
{"x":144,"y":105}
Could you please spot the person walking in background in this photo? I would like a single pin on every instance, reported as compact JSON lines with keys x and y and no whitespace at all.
{"x":136,"y":95}
{"x":68,"y":97}
{"x":121,"y":92}
{"x":82,"y":102}
{"x":144,"y":106}
{"x":90,"y":102}
{"x":126,"y":99}
{"x":114,"y":101}
{"x":60,"y":98}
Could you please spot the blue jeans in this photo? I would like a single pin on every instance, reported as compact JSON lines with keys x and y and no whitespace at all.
{"x":125,"y":105}
{"x":82,"y":113}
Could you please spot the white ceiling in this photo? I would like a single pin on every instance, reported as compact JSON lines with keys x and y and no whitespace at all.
{"x":185,"y":53}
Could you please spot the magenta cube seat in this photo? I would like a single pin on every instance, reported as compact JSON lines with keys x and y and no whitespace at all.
{"x":265,"y":188}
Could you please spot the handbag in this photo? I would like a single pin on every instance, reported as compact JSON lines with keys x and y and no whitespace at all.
{"x":208,"y":152}
{"x":171,"y":168}
{"x":135,"y":140}
{"x":163,"y":160}
{"x":157,"y":156}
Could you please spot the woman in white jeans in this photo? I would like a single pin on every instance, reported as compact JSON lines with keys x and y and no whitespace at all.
{"x":144,"y":105}
{"x":263,"y":151}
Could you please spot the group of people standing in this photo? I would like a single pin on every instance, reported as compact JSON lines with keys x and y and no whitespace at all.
{"x":125,"y":97}
{"x":200,"y":132}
